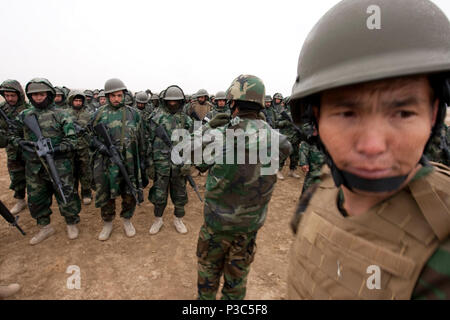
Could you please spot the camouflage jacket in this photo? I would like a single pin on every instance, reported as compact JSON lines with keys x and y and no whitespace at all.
{"x":238,"y":193}
{"x":311,"y":156}
{"x":158,"y":153}
{"x":12,"y":112}
{"x":439,"y":148}
{"x":125,"y":128}
{"x":55,"y":124}
{"x":81,"y":119}
{"x":281,"y":123}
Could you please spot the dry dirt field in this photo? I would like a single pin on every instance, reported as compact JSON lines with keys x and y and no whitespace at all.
{"x":161,"y":266}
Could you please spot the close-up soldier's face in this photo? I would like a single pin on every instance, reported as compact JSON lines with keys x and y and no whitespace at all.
{"x":116,"y":98}
{"x":102,"y":100}
{"x":221,"y":103}
{"x":11,"y":97}
{"x":39,"y":97}
{"x":140,"y":105}
{"x":268,"y":103}
{"x":277,"y":101}
{"x":77,"y":103}
{"x":378,"y":129}
{"x":58,"y":98}
{"x":201,"y":100}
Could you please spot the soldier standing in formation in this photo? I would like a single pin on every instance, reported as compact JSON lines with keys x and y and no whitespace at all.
{"x":82,"y":168}
{"x":381,"y":220}
{"x":167,"y":176}
{"x":56,"y":125}
{"x":220,"y":106}
{"x":15,"y":103}
{"x":124,"y":126}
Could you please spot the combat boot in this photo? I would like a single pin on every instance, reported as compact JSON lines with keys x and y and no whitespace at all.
{"x":280,"y":175}
{"x":19,"y":206}
{"x":106,"y":231}
{"x":293,"y":174}
{"x":6,"y":291}
{"x":44,"y":233}
{"x":72,"y":231}
{"x":128,"y":227}
{"x":179,"y":225}
{"x":156,"y":226}
{"x":87,"y":200}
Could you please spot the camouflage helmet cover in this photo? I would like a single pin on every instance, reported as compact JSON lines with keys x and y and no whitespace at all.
{"x":278,"y":96}
{"x":268,"y":98}
{"x":12,"y":86}
{"x":75,"y":93}
{"x":247,"y":88}
{"x":88,"y":93}
{"x":101,"y":93}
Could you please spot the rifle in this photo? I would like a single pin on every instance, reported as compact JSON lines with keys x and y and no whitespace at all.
{"x":5,"y":213}
{"x":305,"y":198}
{"x":11,"y":124}
{"x":44,"y":149}
{"x":303,"y":136}
{"x":162,"y":134}
{"x":116,"y":158}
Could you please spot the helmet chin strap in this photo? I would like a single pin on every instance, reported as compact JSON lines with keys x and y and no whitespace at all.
{"x":353,"y":182}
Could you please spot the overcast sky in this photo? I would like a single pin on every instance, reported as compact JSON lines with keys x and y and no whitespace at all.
{"x":153,"y":44}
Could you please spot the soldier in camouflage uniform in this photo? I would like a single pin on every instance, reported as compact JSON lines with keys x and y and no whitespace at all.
{"x":268,"y":111}
{"x":378,"y":225}
{"x":286,"y":128}
{"x":311,"y":160}
{"x":154,"y":99}
{"x":237,"y":195}
{"x":201,"y":105}
{"x":15,"y":103}
{"x":126,"y":131}
{"x":102,"y":98}
{"x":439,"y":148}
{"x":60,"y":98}
{"x":167,"y":176}
{"x":143,"y":105}
{"x":90,"y":103}
{"x":82,"y":168}
{"x":220,"y":106}
{"x":57,"y":125}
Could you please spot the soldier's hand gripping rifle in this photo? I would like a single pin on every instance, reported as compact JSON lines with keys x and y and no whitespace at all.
{"x":5,"y":213}
{"x":162,"y":134}
{"x":115,"y":157}
{"x":44,"y":150}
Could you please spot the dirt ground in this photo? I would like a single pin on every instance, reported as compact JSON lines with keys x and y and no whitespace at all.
{"x":161,"y":266}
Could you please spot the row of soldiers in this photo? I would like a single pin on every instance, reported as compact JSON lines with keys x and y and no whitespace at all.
{"x":130,"y":151}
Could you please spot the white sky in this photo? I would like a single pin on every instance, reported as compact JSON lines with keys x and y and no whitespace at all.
{"x":153,"y":44}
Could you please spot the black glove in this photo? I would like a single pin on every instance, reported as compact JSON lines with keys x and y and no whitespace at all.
{"x":27,"y":145}
{"x":103,"y":150}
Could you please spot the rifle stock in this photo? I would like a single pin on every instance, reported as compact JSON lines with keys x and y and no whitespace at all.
{"x":7,"y":215}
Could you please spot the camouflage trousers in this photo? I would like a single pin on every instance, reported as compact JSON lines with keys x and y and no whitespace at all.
{"x":108,"y":211}
{"x":82,"y":172}
{"x":16,"y":170}
{"x":228,"y":254}
{"x":159,"y":193}
{"x":294,"y":156}
{"x":40,"y":193}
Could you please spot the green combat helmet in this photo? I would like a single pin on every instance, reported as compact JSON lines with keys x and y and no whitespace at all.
{"x":73,"y":94}
{"x":413,"y":39}
{"x":268,"y":98}
{"x":142,"y":97}
{"x":129,"y":100}
{"x":202,"y":93}
{"x":221,"y":95}
{"x":40,"y":85}
{"x":247,"y":88}
{"x":114,"y":85}
{"x":174,"y":93}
